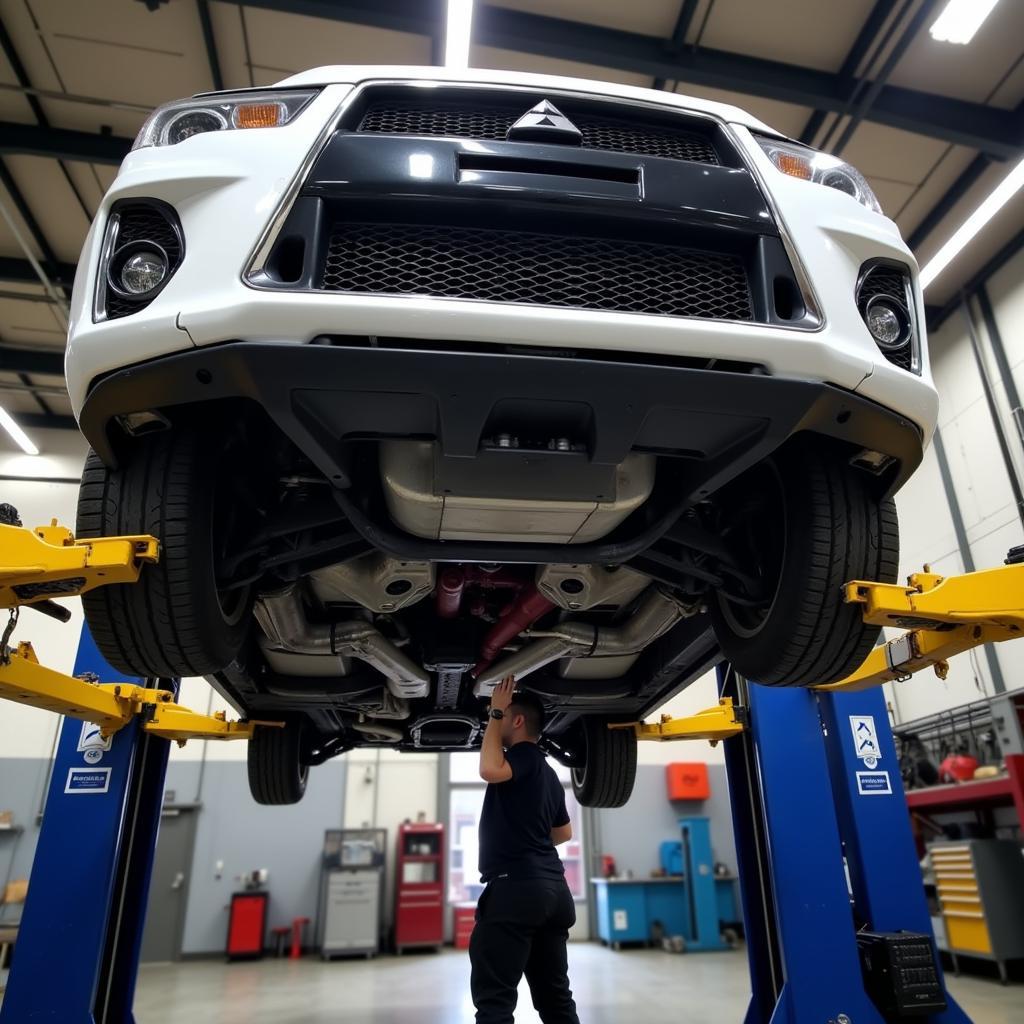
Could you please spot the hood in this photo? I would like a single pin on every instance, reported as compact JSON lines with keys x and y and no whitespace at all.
{"x":351,"y":74}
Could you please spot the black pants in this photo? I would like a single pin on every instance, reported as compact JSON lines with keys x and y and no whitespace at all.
{"x":522,"y":927}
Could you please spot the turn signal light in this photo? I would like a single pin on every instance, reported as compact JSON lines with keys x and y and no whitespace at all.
{"x":259,"y":115}
{"x":794,"y":166}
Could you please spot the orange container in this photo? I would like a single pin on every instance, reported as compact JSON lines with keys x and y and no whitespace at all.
{"x":687,"y":781}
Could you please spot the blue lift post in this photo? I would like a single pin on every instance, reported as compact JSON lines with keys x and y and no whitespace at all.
{"x":78,"y":946}
{"x":804,"y":792}
{"x":705,"y":933}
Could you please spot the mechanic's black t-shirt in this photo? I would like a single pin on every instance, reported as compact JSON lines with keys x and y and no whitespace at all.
{"x":518,"y":816}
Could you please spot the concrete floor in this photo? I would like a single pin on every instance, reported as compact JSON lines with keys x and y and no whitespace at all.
{"x":631,"y":987}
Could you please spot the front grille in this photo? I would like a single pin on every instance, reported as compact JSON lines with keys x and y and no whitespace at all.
{"x":468,"y":121}
{"x":893,"y":282}
{"x":496,"y":265}
{"x":135,"y":222}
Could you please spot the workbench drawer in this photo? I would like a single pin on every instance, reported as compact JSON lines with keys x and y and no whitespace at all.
{"x":966,"y":931}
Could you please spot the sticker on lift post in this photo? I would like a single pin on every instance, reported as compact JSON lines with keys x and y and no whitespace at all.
{"x":874,"y":784}
{"x":91,"y":744}
{"x":88,"y":780}
{"x":865,"y":739}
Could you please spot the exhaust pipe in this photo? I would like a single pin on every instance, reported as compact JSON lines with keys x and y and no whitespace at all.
{"x":280,"y":616}
{"x":658,"y":613}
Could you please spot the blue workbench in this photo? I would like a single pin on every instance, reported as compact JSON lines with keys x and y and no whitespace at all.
{"x":627,"y":907}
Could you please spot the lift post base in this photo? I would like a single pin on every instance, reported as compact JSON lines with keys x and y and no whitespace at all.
{"x":802,"y":798}
{"x":90,"y":878}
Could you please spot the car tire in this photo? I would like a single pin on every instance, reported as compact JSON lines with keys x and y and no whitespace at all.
{"x":820,"y":524}
{"x":277,"y":775}
{"x":608,"y":771}
{"x":172,"y":622}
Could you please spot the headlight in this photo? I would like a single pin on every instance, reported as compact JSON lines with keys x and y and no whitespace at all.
{"x":176,"y":122}
{"x":803,"y":162}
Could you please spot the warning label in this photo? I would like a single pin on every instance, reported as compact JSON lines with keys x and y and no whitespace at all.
{"x":87,"y":780}
{"x":874,"y":784}
{"x":865,"y":739}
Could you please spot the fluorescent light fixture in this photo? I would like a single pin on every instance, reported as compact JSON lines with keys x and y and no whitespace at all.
{"x":997,"y":199}
{"x":21,"y":439}
{"x":457,"y":33}
{"x":960,"y":19}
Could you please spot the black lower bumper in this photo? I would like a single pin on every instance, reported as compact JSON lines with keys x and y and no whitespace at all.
{"x":714,"y":423}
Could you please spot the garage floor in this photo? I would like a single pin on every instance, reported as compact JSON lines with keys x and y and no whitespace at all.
{"x":644,"y":987}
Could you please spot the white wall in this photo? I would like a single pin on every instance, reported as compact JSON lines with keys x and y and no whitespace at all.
{"x":384,"y":788}
{"x":980,"y":481}
{"x":700,"y":694}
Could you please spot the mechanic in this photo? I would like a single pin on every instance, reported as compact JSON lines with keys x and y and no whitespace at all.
{"x":524,"y":914}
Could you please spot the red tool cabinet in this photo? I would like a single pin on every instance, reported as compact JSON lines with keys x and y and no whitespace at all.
{"x":419,"y":887}
{"x":247,"y":924}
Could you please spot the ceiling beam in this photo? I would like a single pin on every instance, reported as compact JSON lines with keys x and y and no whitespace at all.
{"x":963,"y":184}
{"x":62,"y":143}
{"x":31,"y":360}
{"x":39,"y":421}
{"x":989,"y":129}
{"x":16,"y":271}
{"x":847,"y":73}
{"x":877,"y":83}
{"x":678,"y":40}
{"x":210,"y":42}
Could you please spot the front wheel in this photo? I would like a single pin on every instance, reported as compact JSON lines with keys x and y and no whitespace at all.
{"x":174,"y":621}
{"x":608,"y":770}
{"x":804,"y":522}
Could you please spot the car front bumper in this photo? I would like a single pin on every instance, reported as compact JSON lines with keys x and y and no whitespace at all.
{"x":227,"y":189}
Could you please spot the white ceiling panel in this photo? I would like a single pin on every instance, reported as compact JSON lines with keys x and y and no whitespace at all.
{"x":31,"y":323}
{"x":57,"y":211}
{"x":290,"y":42}
{"x":968,"y":72}
{"x":511,"y":60}
{"x":647,"y":17}
{"x":804,"y":32}
{"x":889,"y":153}
{"x":783,"y":117}
{"x":934,"y":186}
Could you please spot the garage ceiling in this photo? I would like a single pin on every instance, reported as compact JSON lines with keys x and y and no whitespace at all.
{"x":934,"y":126}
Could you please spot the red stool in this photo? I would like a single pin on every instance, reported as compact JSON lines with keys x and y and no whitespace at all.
{"x":280,"y":937}
{"x":298,"y":928}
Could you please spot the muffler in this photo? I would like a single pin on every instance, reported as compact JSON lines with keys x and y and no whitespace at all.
{"x":280,"y":616}
{"x":658,"y":613}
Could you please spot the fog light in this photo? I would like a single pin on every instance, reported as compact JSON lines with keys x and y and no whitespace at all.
{"x":138,"y":270}
{"x":143,"y":271}
{"x":888,"y":323}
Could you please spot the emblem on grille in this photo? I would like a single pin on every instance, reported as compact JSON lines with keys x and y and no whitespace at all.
{"x":545,"y":123}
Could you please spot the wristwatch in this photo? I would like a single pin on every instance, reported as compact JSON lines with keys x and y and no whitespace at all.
{"x":496,"y":713}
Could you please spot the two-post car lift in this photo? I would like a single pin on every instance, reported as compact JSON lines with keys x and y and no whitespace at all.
{"x":837,"y":927}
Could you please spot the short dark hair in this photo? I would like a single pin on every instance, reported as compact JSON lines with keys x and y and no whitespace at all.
{"x":530,"y":707}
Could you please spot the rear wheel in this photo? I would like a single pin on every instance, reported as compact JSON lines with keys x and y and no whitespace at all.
{"x":806,"y":522}
{"x":173,"y":621}
{"x":608,"y":772}
{"x":277,"y":774}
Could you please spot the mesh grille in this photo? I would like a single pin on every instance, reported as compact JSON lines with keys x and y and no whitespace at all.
{"x":476,"y":122}
{"x":549,"y":270}
{"x":891,"y":282}
{"x":142,"y":222}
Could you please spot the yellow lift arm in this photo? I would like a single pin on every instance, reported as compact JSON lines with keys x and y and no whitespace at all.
{"x":37,"y":565}
{"x":943,"y":615}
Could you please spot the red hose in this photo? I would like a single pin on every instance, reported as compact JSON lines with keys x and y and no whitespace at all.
{"x":524,"y":611}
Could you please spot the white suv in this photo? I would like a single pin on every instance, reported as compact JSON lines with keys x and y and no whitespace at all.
{"x":425,"y":377}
